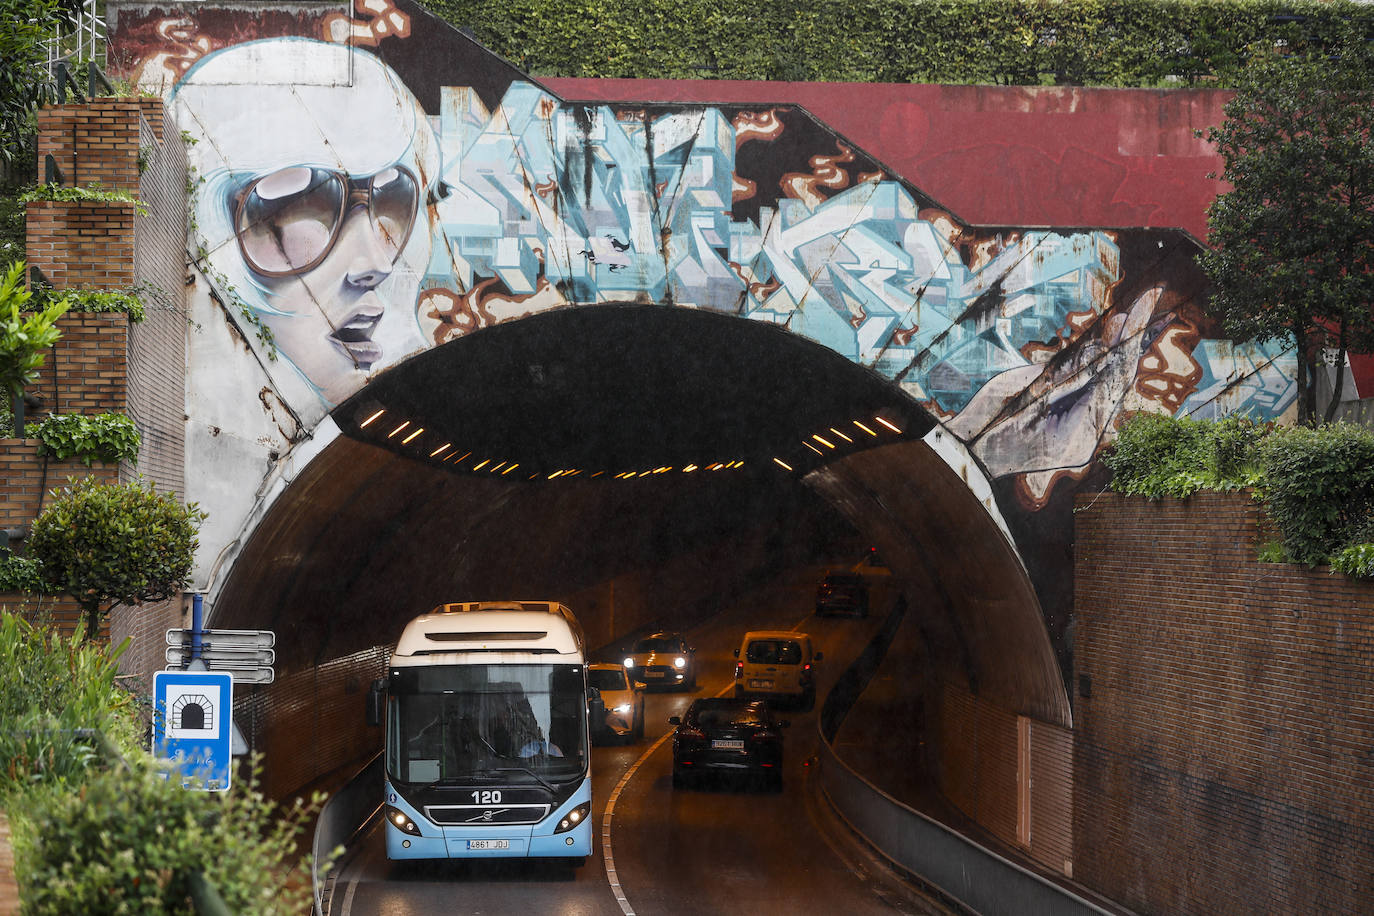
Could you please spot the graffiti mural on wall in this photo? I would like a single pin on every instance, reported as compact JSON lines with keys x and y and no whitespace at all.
{"x":361,"y":228}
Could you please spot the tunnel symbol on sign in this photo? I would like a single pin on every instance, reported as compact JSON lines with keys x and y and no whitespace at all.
{"x":193,"y":712}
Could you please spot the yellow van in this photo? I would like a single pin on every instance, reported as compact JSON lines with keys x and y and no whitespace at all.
{"x":776,"y":663}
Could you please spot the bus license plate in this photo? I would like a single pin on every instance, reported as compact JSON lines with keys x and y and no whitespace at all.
{"x":488,"y":844}
{"x":760,"y":683}
{"x":729,"y":744}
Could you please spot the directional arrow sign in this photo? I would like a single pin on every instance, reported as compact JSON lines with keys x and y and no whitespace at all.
{"x":246,"y":639}
{"x":215,"y":657}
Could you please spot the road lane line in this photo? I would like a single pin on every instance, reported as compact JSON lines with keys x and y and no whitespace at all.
{"x":607,"y":854}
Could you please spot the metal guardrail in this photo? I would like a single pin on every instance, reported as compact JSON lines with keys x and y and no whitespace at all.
{"x":945,"y":859}
{"x":343,"y":817}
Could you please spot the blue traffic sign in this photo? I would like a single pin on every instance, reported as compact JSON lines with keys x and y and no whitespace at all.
{"x":193,"y":725}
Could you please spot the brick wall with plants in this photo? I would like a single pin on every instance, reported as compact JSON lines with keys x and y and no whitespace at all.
{"x":1224,"y":712}
{"x":108,"y":401}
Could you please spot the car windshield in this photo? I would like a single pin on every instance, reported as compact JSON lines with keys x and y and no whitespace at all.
{"x":656,"y":644}
{"x":607,"y":679}
{"x":448,"y":723}
{"x":716,"y":715}
{"x":842,"y":581}
{"x":773,"y":652}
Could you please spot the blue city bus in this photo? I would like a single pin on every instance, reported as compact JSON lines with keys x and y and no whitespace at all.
{"x":487,"y":748}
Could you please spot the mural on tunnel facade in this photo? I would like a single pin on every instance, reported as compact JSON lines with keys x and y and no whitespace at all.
{"x":361,"y":228}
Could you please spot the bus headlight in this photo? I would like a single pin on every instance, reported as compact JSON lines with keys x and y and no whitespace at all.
{"x":401,"y":821}
{"x":679,"y":662}
{"x":573,"y":818}
{"x":629,"y":663}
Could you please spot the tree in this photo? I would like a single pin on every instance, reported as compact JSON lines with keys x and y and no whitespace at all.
{"x":24,"y":335}
{"x":1292,"y":242}
{"x":107,"y":544}
{"x":24,"y":80}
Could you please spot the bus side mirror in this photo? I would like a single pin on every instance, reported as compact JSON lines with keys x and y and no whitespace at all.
{"x":374,"y":701}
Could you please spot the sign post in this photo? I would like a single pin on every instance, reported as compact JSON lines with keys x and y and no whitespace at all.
{"x":193,"y":725}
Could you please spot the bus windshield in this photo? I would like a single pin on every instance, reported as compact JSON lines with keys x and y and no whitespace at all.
{"x":455,"y":723}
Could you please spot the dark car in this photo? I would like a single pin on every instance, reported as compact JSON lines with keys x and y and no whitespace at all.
{"x":730,"y":735}
{"x":842,"y":593}
{"x":663,"y":660}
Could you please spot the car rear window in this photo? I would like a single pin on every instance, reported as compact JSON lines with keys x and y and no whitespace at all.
{"x":773,"y":652}
{"x":752,"y":713}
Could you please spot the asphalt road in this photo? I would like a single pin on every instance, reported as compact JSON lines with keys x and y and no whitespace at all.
{"x":715,"y":848}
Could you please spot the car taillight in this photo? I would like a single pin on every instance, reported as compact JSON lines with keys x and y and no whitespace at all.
{"x":739,"y":669}
{"x":763,"y":734}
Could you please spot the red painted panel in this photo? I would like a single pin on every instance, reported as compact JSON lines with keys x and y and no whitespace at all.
{"x":998,"y":155}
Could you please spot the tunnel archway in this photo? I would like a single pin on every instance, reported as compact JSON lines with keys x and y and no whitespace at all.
{"x":602,"y":411}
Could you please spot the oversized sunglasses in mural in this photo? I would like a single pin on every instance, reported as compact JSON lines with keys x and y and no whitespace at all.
{"x":287,"y":221}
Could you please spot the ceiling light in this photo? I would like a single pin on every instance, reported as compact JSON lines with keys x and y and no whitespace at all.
{"x":597,"y":474}
{"x":783,"y":463}
{"x":412,"y":435}
{"x":441,"y":448}
{"x":459,"y":458}
{"x":371,"y":418}
{"x":812,"y":447}
{"x":841,"y":435}
{"x":498,"y":467}
{"x":509,"y":469}
{"x":478,"y":467}
{"x":398,"y":429}
{"x":887,"y":424}
{"x":864,"y":428}
{"x":689,"y":469}
{"x":824,"y":442}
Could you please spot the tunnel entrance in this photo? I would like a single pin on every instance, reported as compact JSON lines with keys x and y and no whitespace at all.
{"x":677,"y":456}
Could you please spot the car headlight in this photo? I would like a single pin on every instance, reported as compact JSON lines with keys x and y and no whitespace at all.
{"x":623,"y":707}
{"x":679,"y":662}
{"x":629,"y":663}
{"x":573,"y":818}
{"x":401,"y":821}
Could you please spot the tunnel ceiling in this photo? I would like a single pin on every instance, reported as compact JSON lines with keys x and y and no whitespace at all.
{"x":629,"y":389}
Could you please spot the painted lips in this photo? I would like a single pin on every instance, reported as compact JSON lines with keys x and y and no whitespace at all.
{"x":354,"y":338}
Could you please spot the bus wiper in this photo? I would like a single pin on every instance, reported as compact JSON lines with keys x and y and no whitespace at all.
{"x":537,"y":777}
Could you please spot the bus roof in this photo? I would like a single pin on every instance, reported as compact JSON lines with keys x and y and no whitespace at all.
{"x":476,"y":631}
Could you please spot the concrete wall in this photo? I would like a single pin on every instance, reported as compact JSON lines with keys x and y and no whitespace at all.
{"x":1224,"y":716}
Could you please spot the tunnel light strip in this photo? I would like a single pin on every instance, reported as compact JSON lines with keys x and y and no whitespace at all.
{"x":497,"y":467}
{"x":841,"y":435}
{"x":783,"y":463}
{"x":864,"y":428}
{"x":459,"y":460}
{"x":597,"y":474}
{"x":478,"y":467}
{"x":509,"y":469}
{"x":363,"y":425}
{"x":689,"y":469}
{"x":417,"y":432}
{"x":826,"y":442}
{"x":444,"y":447}
{"x":887,"y":424}
{"x":403,"y":425}
{"x":812,"y":447}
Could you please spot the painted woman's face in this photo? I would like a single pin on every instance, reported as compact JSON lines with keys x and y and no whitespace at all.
{"x":320,"y":243}
{"x":313,"y":207}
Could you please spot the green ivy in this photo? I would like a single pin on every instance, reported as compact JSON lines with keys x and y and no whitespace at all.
{"x":1007,"y":42}
{"x":106,"y":437}
{"x":1320,"y":488}
{"x":92,"y":193}
{"x":102,"y":302}
{"x":1356,"y":561}
{"x":1156,"y":455}
{"x":20,"y":574}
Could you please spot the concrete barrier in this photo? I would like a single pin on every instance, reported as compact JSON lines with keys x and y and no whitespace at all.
{"x":345,"y":815}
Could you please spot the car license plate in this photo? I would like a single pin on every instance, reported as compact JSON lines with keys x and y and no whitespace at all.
{"x":759,"y":682}
{"x":728,"y":744}
{"x":488,"y":844}
{"x":653,"y":674}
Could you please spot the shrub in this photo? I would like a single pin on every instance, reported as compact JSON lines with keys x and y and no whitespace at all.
{"x":1319,"y":488}
{"x":107,"y":543}
{"x":57,"y":698}
{"x":107,"y":437}
{"x":1356,"y":561}
{"x":129,"y":840}
{"x":1156,"y":455}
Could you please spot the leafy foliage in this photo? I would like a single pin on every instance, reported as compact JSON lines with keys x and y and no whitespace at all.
{"x":1292,"y":242}
{"x":19,"y":573}
{"x":58,"y":696}
{"x":107,"y":437}
{"x":105,"y":302}
{"x":23,"y":336}
{"x":1157,"y":455}
{"x":1320,"y":488}
{"x":1356,"y":561}
{"x":24,"y":77}
{"x":128,"y":841}
{"x":92,"y":193}
{"x":1008,"y":42}
{"x":114,"y":543}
